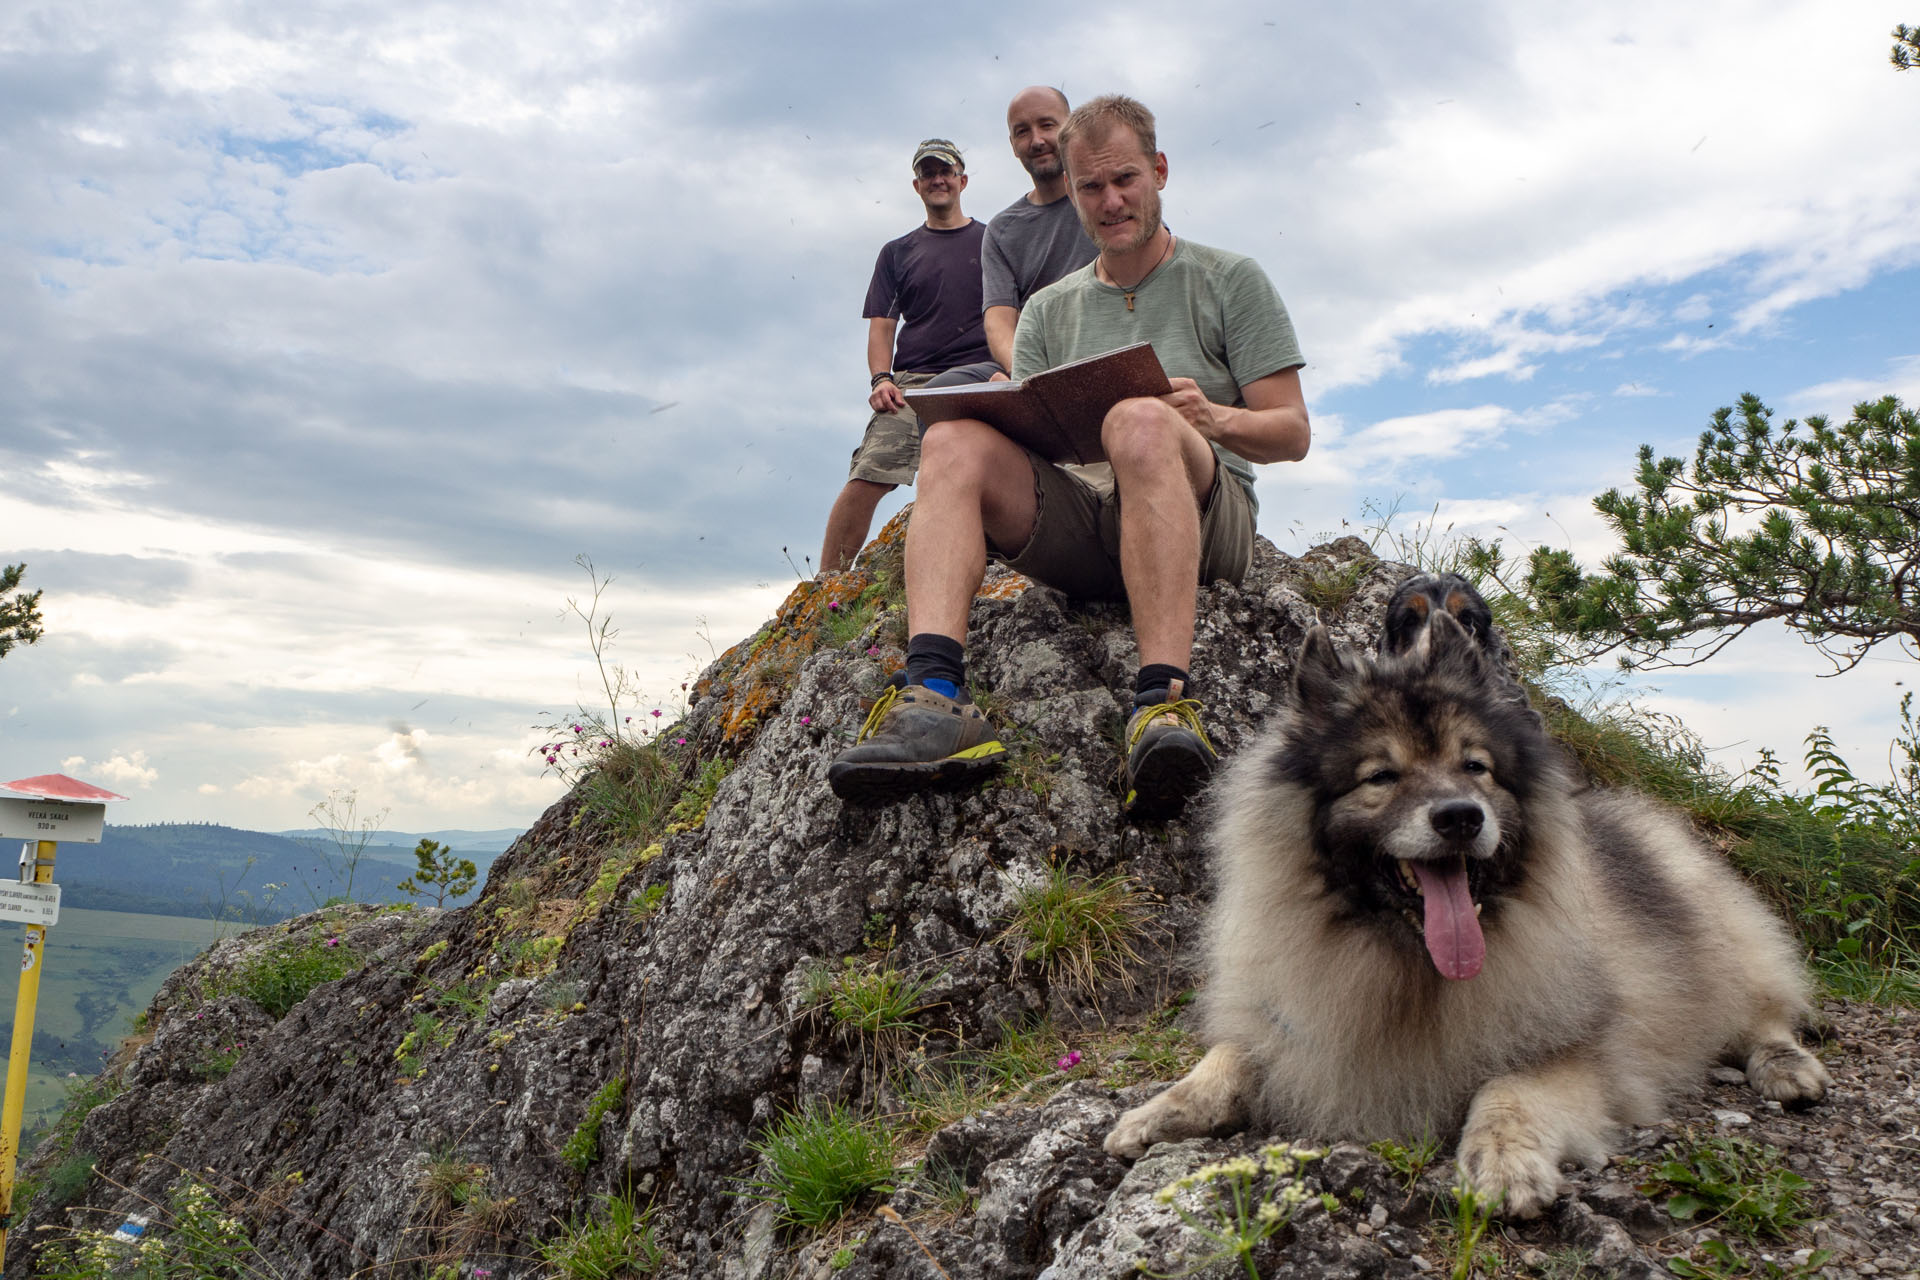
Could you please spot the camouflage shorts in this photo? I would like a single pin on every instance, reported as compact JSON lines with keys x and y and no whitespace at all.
{"x":890,"y":451}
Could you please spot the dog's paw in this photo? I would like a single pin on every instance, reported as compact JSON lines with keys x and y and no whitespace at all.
{"x":1788,"y":1075}
{"x":1511,"y":1169}
{"x":1173,"y":1116}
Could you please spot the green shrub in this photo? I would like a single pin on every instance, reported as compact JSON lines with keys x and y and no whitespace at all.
{"x":614,"y":1242}
{"x":583,"y":1148}
{"x":280,"y":976}
{"x":818,"y":1162}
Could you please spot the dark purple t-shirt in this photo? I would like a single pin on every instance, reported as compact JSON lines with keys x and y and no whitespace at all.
{"x":930,"y":281}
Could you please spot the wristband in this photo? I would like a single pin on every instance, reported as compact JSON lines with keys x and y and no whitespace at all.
{"x":878,"y":378}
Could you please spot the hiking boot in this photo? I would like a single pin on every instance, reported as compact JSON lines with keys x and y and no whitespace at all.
{"x":915,"y":740}
{"x":1168,"y":759}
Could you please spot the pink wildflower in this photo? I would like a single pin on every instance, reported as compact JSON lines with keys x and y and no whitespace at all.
{"x":333,"y":942}
{"x":1069,"y":1062}
{"x":806,"y":719}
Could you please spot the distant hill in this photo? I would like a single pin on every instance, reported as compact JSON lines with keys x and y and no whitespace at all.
{"x":468,"y":844}
{"x":208,"y":871}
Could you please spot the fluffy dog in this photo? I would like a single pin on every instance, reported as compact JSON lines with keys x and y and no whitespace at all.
{"x":1424,"y":921}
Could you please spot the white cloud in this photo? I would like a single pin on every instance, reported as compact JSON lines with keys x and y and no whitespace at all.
{"x":120,"y":769}
{"x":325,"y":344}
{"x":1837,"y":397}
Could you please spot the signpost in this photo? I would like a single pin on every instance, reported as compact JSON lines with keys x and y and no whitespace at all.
{"x":42,"y":811}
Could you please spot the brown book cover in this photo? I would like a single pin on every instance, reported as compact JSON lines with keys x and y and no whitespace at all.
{"x":1056,"y":413}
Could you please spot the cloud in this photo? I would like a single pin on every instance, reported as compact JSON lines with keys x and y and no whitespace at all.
{"x":130,"y":768}
{"x":329,"y":335}
{"x":1838,"y":396}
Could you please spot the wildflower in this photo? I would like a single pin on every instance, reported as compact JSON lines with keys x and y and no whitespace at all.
{"x":833,"y":606}
{"x":679,"y":742}
{"x":873,"y":651}
{"x":806,"y":719}
{"x":656,"y":713}
{"x":333,"y":942}
{"x":1069,"y":1062}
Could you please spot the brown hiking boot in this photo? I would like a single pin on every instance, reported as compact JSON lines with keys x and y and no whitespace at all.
{"x":1168,"y":758}
{"x":915,"y":740}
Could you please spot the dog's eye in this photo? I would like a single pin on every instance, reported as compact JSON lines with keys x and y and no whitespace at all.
{"x":1475,"y":766}
{"x":1381,"y":778}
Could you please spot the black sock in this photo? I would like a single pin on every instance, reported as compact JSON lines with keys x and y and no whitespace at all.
{"x":932,"y":657}
{"x":1155,"y":679}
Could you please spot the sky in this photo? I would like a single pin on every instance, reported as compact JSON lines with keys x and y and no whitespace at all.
{"x":332,"y":336}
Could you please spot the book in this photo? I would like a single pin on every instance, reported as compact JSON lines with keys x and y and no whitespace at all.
{"x":1056,"y":413}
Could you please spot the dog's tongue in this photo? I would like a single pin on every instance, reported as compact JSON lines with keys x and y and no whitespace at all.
{"x":1453,"y":931}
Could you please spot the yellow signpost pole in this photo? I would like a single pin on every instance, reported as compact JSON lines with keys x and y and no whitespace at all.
{"x":21,"y":1056}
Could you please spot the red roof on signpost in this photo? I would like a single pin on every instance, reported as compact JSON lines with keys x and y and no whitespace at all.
{"x":58,"y":786}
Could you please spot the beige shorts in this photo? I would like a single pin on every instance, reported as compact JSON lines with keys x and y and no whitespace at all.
{"x":890,"y":451}
{"x":1075,"y":545}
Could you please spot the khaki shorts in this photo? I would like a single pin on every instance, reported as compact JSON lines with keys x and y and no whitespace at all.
{"x":1075,"y":545}
{"x":890,"y":451}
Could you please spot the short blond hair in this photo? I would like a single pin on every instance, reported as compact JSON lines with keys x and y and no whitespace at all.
{"x":1095,"y":119}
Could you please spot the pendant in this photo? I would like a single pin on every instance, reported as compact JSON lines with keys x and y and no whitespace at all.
{"x":1129,"y":297}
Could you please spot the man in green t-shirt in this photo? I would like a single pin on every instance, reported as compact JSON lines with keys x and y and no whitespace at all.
{"x":1172,"y":507}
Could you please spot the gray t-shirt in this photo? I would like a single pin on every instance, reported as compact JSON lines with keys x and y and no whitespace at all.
{"x":1211,"y":315}
{"x":1029,"y":246}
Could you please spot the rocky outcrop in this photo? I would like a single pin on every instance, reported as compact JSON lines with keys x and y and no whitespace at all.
{"x":647,"y":985}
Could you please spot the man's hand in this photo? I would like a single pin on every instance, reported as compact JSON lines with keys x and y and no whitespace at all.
{"x":886,"y":398}
{"x":1192,"y":404}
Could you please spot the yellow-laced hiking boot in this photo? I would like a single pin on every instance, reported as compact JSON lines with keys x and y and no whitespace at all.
{"x":915,"y":740}
{"x":1168,"y":757}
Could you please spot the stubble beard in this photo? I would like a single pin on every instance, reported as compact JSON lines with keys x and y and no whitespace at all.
{"x":1148,"y":226}
{"x":1044,"y":168}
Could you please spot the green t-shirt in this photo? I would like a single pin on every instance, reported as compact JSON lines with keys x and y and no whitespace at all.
{"x":1211,"y":315}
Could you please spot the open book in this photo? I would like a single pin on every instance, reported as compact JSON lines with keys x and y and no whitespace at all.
{"x":1057,"y":412}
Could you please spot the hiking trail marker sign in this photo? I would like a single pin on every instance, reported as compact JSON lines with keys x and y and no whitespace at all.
{"x":42,"y":811}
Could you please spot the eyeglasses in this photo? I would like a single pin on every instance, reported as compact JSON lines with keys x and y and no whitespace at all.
{"x":937,"y":171}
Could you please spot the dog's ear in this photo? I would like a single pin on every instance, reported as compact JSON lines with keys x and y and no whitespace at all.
{"x":1319,"y":669}
{"x":1451,"y":648}
{"x":1407,"y":613}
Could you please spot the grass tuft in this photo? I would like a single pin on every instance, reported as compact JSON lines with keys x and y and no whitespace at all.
{"x":818,"y":1162}
{"x":1081,"y":931}
{"x":614,"y":1241}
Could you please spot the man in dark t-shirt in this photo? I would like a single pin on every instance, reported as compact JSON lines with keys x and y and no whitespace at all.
{"x":930,"y":280}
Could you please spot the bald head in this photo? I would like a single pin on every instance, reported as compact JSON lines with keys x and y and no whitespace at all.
{"x":1034,"y":118}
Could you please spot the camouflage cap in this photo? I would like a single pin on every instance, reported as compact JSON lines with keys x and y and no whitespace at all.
{"x":937,"y":149}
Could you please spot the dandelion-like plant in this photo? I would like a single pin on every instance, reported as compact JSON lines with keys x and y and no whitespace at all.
{"x":1235,"y":1204}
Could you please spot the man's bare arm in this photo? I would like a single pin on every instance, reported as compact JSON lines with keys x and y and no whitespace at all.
{"x":1001,"y":322}
{"x":1271,"y":428}
{"x":886,"y":397}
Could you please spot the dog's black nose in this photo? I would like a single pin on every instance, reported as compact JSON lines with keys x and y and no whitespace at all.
{"x":1457,"y":819}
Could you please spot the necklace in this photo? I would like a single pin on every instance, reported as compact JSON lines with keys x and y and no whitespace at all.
{"x":1127,"y":291}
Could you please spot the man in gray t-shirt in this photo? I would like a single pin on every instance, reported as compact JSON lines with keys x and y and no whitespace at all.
{"x":1171,"y":509}
{"x":1038,"y":238}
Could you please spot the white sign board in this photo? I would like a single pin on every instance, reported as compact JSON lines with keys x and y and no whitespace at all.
{"x":62,"y":820}
{"x":31,"y":903}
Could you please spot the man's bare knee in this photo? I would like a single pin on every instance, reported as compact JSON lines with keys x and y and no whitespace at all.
{"x":1141,"y":431}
